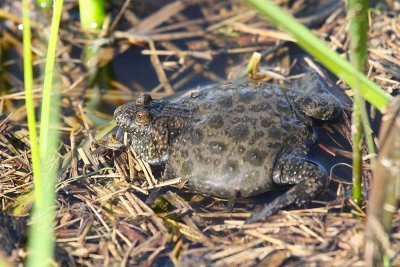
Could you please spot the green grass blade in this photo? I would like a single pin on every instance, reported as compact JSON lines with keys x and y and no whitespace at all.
{"x":357,"y":13}
{"x":318,"y":49}
{"x":45,"y":4}
{"x":41,"y":233}
{"x":92,"y":13}
{"x":357,"y":131}
{"x":92,"y":16}
{"x":29,"y":102}
{"x":48,"y":78}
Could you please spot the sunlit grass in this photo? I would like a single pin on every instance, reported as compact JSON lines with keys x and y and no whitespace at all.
{"x":357,"y":14}
{"x":92,"y":13}
{"x":92,"y":17}
{"x":318,"y":49}
{"x":44,"y":4}
{"x":30,"y":106}
{"x":41,"y":233}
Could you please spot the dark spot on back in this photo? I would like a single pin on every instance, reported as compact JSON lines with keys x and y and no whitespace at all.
{"x":231,"y":167}
{"x":239,"y":109}
{"x":201,"y":158}
{"x":261,"y":107}
{"x":276,"y":134}
{"x":256,"y":136}
{"x":196,"y":136}
{"x":266,"y":123}
{"x":239,"y":132}
{"x":216,"y":147}
{"x":187,"y":167}
{"x":185,"y":153}
{"x":198,"y":155}
{"x":256,"y":157}
{"x":247,"y":96}
{"x":216,"y":122}
{"x":282,"y":105}
{"x":275,"y":145}
{"x":245,"y":119}
{"x":225,"y":101}
{"x":266,"y":94}
{"x":288,"y":124}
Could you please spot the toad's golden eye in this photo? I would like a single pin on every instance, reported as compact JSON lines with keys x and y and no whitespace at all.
{"x":142,"y":118}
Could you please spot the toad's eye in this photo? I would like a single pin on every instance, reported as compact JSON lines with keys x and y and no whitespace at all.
{"x":142,"y":118}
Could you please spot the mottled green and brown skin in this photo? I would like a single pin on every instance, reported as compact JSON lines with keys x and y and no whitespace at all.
{"x":235,"y":138}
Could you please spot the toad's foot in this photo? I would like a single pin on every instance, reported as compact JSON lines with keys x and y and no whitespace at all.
{"x":310,"y":179}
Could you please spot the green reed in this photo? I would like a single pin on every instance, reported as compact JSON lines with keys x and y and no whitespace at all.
{"x":318,"y":49}
{"x":41,"y":231}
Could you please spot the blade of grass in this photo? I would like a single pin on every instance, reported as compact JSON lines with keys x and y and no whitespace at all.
{"x":44,"y":4}
{"x":48,"y":78}
{"x":41,"y":233}
{"x":318,"y":49}
{"x":92,"y":13}
{"x":30,"y":106}
{"x":357,"y":13}
{"x":92,"y":16}
{"x":357,"y":131}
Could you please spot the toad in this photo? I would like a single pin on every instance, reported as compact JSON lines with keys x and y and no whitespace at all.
{"x":235,"y":139}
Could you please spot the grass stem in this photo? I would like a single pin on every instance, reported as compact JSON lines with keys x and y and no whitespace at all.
{"x":29,"y":102}
{"x":357,"y":14}
{"x":92,"y":13}
{"x":318,"y":49}
{"x":41,"y":232}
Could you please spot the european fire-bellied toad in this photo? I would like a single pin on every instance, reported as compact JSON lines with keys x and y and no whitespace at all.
{"x":235,"y":138}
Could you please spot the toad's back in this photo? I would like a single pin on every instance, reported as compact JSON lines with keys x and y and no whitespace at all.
{"x":236,"y":137}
